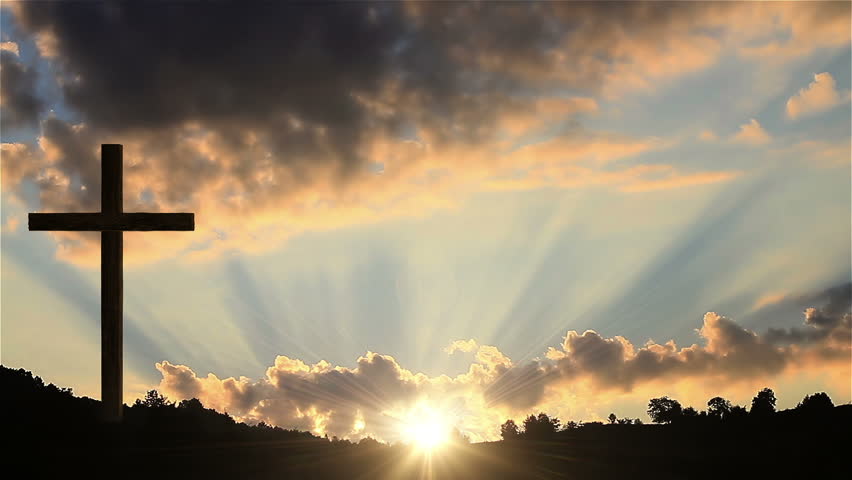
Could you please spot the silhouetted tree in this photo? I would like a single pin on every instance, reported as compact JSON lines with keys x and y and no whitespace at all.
{"x":664,"y":410}
{"x":737,"y":412}
{"x":718,"y":407}
{"x":612,"y":418}
{"x":541,"y":426}
{"x":369,"y":442}
{"x":689,"y":412}
{"x":763,"y":403}
{"x":509,"y":430}
{"x":816,"y":403}
{"x":153,"y":399}
{"x":192,"y":404}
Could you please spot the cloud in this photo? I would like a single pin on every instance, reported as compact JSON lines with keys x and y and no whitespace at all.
{"x":10,"y":47}
{"x":788,"y":31}
{"x":11,"y":225}
{"x":246,"y":199}
{"x":466,"y":346}
{"x":278,"y":126}
{"x":829,"y":323}
{"x":17,"y":165}
{"x":673,"y":179}
{"x":374,"y":397}
{"x":19,"y":105}
{"x":822,"y":153}
{"x":818,"y":96}
{"x":707,"y":136}
{"x":46,"y":44}
{"x":752,"y":133}
{"x":768,"y":299}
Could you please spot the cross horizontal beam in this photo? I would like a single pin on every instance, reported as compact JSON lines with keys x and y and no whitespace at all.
{"x":115,"y":222}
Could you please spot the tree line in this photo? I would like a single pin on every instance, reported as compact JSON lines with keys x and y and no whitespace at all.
{"x":665,"y":410}
{"x":52,"y":432}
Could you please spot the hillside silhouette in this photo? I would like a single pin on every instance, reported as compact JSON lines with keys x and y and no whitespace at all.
{"x":50,"y":433}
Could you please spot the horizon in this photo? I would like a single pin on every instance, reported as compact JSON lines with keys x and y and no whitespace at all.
{"x":460,"y":212}
{"x":427,"y":440}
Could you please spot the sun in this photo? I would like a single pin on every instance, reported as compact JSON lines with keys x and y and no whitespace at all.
{"x":426,"y":429}
{"x":427,"y":435}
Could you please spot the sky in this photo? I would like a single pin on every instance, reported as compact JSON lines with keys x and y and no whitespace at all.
{"x":483,"y":210}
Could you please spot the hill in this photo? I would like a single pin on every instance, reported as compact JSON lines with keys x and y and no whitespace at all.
{"x":51,"y":432}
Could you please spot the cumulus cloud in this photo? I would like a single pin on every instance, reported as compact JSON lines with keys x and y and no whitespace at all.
{"x":752,"y":133}
{"x":376,"y":395}
{"x":818,"y":96}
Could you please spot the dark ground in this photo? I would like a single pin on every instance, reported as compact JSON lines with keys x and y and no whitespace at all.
{"x":48,"y":433}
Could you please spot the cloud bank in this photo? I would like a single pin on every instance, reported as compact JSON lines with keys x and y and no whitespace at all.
{"x":273,"y":119}
{"x":374,"y":397}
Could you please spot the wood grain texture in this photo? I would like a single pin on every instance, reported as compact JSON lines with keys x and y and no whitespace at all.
{"x":104,"y":222}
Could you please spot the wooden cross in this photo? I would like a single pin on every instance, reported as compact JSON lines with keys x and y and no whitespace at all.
{"x":111,"y":221}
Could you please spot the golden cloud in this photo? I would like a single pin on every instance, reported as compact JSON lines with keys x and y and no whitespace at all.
{"x":819,"y":96}
{"x":581,"y":379}
{"x":247,"y":197}
{"x":752,"y":133}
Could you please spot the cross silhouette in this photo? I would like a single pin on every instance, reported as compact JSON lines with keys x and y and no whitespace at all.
{"x":111,"y":221}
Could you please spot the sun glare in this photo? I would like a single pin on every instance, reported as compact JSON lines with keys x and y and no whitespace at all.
{"x":426,"y":429}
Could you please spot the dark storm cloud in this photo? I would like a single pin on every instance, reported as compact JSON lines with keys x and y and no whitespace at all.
{"x":232,"y":66}
{"x":20,"y":106}
{"x":293,"y":72}
{"x":258,"y":113}
{"x":299,"y":85}
{"x":129,"y":66}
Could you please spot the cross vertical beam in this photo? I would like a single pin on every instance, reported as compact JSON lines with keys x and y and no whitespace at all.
{"x":111,"y":221}
{"x":112,"y":285}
